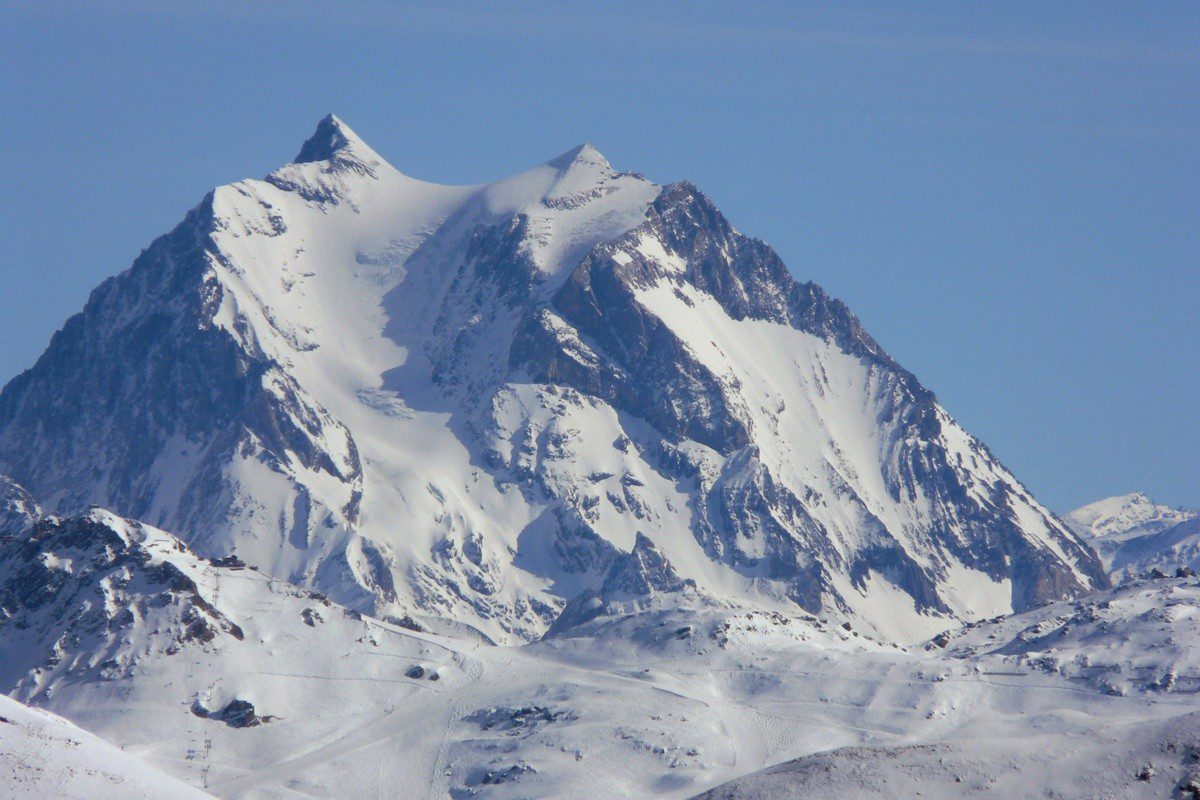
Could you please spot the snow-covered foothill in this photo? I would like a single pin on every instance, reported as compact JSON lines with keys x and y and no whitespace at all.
{"x":1142,"y":636}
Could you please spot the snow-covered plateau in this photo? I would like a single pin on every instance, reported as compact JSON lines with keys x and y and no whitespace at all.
{"x":356,"y":486}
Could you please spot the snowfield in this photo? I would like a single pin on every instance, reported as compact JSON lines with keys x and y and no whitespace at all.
{"x":1125,"y":759}
{"x":684,"y":696}
{"x":1094,"y":698}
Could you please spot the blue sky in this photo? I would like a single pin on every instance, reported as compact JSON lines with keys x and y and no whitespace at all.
{"x":1008,"y":195}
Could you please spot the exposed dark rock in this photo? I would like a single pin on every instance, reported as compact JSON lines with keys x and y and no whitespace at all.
{"x":18,"y":510}
{"x":503,"y":775}
{"x":633,"y":580}
{"x":518,"y":719}
{"x":237,"y":713}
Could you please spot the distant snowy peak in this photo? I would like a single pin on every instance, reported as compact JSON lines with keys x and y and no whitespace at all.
{"x":1127,"y":515}
{"x":585,"y":155}
{"x":1135,"y":535}
{"x":334,"y":141}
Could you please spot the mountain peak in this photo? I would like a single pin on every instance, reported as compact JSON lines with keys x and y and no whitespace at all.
{"x":331,"y":139}
{"x":582,"y":155}
{"x":1127,"y":514}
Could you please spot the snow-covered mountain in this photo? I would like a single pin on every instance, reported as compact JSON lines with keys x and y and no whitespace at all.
{"x":1122,"y":517}
{"x":1134,"y":535}
{"x":486,"y":402}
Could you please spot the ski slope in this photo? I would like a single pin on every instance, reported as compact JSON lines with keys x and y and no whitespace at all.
{"x":44,"y":757}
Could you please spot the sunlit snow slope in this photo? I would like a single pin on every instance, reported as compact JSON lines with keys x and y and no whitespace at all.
{"x":467,"y":402}
{"x":44,"y":757}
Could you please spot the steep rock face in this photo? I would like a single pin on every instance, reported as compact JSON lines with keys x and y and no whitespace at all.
{"x":18,"y":509}
{"x":647,"y":323}
{"x":174,"y":404}
{"x":77,"y":592}
{"x":464,"y":402}
{"x":635,"y":582}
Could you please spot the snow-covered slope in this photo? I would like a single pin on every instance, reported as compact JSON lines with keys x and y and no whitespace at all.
{"x":253,"y":689}
{"x":468,"y":402}
{"x":1135,"y":535}
{"x":214,"y":672}
{"x":1143,"y":635}
{"x":1123,"y":759}
{"x":44,"y":757}
{"x":1139,"y":641}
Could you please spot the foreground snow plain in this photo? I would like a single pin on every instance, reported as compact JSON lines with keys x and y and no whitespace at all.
{"x":667,"y":715}
{"x":666,"y":702}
